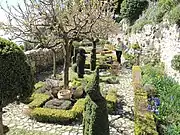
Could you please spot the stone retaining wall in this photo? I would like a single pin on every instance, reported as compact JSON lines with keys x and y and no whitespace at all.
{"x":42,"y":59}
{"x":164,"y":37}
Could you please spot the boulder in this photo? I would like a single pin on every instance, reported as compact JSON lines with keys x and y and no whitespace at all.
{"x":58,"y":104}
{"x":52,"y":83}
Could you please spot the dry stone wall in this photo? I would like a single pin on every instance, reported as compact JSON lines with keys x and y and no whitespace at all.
{"x":42,"y":59}
{"x":164,"y":37}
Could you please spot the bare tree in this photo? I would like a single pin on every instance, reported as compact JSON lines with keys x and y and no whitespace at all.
{"x":50,"y":23}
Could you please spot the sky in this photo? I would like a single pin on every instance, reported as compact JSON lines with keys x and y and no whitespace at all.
{"x":2,"y":13}
{"x":3,"y":3}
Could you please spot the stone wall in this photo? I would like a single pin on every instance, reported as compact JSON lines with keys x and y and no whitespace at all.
{"x":164,"y":37}
{"x":42,"y":59}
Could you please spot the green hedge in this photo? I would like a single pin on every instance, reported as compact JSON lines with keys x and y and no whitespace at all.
{"x":144,"y":120}
{"x":57,"y":115}
{"x":111,"y":99}
{"x":39,"y":85}
{"x":44,"y":114}
{"x":52,"y":115}
{"x":38,"y":100}
{"x":16,"y":76}
{"x":79,"y":107}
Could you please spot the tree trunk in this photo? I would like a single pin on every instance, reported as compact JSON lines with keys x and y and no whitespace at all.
{"x":94,"y":44}
{"x":67,"y":57}
{"x":93,"y":57}
{"x":54,"y":63}
{"x":1,"y":123}
{"x":66,"y":72}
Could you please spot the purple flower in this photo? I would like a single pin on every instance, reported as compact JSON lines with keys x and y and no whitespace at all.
{"x":149,"y":107}
{"x":156,"y":101}
{"x":156,"y":111}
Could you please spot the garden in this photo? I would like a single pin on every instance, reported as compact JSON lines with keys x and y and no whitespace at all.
{"x":64,"y":78}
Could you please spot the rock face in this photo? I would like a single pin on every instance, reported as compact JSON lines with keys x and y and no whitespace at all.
{"x":41,"y":59}
{"x":58,"y":104}
{"x":165,"y":38}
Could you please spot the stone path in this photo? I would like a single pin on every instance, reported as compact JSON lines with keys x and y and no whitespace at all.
{"x":120,"y":124}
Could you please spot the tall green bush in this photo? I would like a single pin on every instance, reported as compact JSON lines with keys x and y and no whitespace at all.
{"x":132,"y":9}
{"x":95,"y":120}
{"x":15,"y":73}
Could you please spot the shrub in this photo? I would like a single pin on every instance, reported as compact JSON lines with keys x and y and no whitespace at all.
{"x":95,"y":120}
{"x":139,"y":24}
{"x":175,"y":62}
{"x":76,"y":44}
{"x":39,"y":85}
{"x":38,"y":100}
{"x":76,"y":83}
{"x":164,"y":6}
{"x":168,"y":91}
{"x":52,"y":115}
{"x":174,"y":15}
{"x":15,"y":73}
{"x":57,"y":115}
{"x":111,"y":99}
{"x":144,"y":121}
{"x":78,"y":107}
{"x":112,"y":79}
{"x":131,"y":9}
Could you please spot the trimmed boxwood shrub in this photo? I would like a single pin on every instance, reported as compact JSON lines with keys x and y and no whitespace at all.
{"x":15,"y":73}
{"x":57,"y":115}
{"x":95,"y":120}
{"x":78,"y":107}
{"x":53,"y":115}
{"x":111,"y":99}
{"x":38,"y":100}
{"x":144,"y":120}
{"x":39,"y":85}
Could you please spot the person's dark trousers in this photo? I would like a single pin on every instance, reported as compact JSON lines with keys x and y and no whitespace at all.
{"x":118,"y":55}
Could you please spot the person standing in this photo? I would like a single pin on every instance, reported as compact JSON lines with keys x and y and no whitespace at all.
{"x":119,"y":49}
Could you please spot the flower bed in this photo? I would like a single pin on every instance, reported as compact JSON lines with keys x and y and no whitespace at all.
{"x":165,"y":102}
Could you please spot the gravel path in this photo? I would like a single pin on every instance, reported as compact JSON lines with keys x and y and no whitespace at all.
{"x":120,"y":124}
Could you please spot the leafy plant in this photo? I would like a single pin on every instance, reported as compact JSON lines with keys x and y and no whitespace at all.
{"x":174,"y":15}
{"x":168,"y":92}
{"x":131,"y":9}
{"x":140,"y":23}
{"x":135,"y":46}
{"x":176,"y":62}
{"x":111,"y":99}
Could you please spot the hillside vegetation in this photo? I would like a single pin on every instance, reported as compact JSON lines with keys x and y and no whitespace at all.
{"x":140,"y":13}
